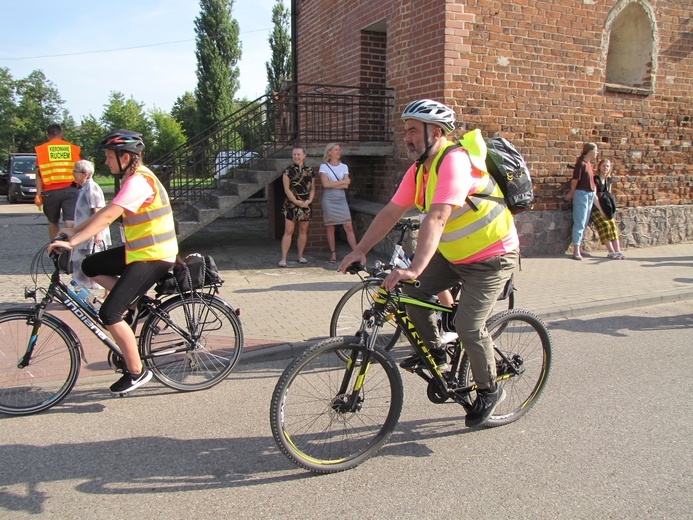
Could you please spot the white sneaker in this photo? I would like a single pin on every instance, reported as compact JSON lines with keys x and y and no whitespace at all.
{"x":448,"y":337}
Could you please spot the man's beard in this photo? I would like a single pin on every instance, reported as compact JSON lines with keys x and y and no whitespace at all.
{"x":413,"y":153}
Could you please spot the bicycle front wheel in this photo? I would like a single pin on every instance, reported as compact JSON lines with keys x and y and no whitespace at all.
{"x":317,"y":420}
{"x":52,"y":371}
{"x":524,"y":367}
{"x":192,"y":342}
{"x":348,"y":315}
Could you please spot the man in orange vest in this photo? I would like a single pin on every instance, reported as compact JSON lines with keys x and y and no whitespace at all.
{"x":55,"y":191}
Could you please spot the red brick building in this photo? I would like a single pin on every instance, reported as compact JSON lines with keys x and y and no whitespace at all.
{"x":546,"y":74}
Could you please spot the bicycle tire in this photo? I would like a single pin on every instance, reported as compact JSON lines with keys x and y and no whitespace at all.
{"x":54,"y":366}
{"x":209,"y":361}
{"x":307,"y":426}
{"x":524,"y":338}
{"x":348,"y":315}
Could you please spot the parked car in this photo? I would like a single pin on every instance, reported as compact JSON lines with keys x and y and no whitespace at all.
{"x":4,"y":180}
{"x":20,"y":179}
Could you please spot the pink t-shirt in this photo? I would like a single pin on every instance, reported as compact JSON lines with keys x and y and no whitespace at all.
{"x":456,"y":181}
{"x":134,"y":192}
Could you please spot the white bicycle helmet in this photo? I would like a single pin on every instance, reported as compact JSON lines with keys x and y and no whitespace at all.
{"x":429,"y":111}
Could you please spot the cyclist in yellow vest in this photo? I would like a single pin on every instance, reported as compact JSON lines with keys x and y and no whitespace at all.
{"x":150,"y":248}
{"x":468,"y":235}
{"x":55,"y":190}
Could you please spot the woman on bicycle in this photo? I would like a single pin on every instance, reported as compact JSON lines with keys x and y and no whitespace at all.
{"x":149,"y":250}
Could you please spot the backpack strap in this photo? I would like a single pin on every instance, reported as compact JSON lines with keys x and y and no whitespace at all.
{"x":467,"y":199}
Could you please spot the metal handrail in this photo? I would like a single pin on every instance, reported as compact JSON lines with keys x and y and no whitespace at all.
{"x":306,"y":114}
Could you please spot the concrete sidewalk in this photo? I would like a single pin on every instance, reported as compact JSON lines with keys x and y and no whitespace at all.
{"x":284,"y":309}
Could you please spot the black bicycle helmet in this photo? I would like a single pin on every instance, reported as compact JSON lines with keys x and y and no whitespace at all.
{"x":125,"y":140}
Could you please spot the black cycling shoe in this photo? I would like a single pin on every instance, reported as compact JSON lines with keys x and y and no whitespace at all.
{"x":413,"y":362}
{"x":484,"y":405}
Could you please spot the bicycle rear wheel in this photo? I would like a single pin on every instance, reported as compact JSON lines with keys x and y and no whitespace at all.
{"x":194,"y":350}
{"x":526,"y":344}
{"x":54,"y":366}
{"x":348,"y":314}
{"x":311,"y":422}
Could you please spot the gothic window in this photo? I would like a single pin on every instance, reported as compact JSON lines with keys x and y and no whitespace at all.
{"x":629,"y":62}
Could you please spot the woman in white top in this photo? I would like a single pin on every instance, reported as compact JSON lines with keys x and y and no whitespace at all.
{"x":89,"y":201}
{"x":334,"y":175}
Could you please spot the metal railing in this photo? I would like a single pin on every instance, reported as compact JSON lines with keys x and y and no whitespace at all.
{"x":304,"y":114}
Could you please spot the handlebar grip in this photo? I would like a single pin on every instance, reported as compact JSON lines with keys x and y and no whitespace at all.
{"x":355,"y":268}
{"x":61,"y":237}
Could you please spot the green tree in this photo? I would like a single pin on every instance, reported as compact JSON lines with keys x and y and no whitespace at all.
{"x":39,"y":105}
{"x":218,"y":50}
{"x":8,"y":114}
{"x":168,"y":134}
{"x":121,"y":113}
{"x":279,"y":67}
{"x":185,"y":112}
{"x":88,"y":135}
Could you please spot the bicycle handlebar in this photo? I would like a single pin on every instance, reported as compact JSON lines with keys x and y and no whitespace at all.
{"x":406,"y":224}
{"x":376,"y":271}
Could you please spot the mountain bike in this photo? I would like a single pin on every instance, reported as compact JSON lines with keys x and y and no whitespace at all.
{"x":347,"y":314}
{"x":330,"y":415}
{"x":190,"y":341}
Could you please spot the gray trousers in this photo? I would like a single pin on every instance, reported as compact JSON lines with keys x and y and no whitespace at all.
{"x":482,"y":283}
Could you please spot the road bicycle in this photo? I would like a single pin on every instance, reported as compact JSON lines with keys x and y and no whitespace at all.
{"x":330,"y":415}
{"x":190,"y":341}
{"x":347,"y":314}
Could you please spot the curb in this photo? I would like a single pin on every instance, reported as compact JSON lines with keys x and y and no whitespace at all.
{"x":614,"y":304}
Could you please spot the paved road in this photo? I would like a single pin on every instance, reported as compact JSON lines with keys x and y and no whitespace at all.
{"x":604,"y":441}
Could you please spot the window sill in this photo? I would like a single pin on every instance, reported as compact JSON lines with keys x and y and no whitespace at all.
{"x":625,"y":89}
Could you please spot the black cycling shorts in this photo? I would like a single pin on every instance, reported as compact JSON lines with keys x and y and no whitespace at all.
{"x":135,"y":279}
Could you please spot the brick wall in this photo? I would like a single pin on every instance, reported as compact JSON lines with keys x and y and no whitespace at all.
{"x":532,"y":71}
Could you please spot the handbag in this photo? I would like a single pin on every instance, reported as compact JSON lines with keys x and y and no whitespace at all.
{"x":607,"y":201}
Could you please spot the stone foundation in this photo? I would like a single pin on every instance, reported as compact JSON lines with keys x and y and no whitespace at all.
{"x":548,"y":232}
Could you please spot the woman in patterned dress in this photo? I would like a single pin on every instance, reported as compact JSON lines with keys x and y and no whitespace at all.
{"x":334,"y":175}
{"x":606,"y":227}
{"x":299,"y":188}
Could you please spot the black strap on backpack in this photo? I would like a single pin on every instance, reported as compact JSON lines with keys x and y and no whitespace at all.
{"x":468,"y":200}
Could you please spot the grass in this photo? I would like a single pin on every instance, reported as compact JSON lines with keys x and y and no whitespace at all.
{"x":107,"y":183}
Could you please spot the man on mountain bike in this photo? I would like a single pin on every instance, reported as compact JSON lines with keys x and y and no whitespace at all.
{"x":468,"y":235}
{"x":150,"y":248}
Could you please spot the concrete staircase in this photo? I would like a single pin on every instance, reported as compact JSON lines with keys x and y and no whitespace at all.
{"x":230,"y":192}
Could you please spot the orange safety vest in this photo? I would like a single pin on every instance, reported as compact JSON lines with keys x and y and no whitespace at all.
{"x":150,"y":233}
{"x":55,"y":160}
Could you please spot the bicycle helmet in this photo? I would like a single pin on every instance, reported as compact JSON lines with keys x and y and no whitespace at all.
{"x":429,"y":111}
{"x":125,"y":140}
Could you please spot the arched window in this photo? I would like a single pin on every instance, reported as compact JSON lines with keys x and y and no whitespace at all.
{"x":630,"y":60}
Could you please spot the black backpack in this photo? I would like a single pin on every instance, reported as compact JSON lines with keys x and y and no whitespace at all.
{"x":192,"y":273}
{"x":509,"y":170}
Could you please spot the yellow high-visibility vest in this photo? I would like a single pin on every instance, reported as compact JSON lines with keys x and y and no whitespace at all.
{"x":471,"y":228}
{"x":150,"y":233}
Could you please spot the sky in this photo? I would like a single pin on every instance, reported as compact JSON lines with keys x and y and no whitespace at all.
{"x":66,"y":39}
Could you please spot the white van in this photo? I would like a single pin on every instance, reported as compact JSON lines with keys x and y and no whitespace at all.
{"x":229,"y":159}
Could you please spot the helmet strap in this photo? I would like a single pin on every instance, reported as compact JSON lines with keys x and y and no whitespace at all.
{"x":424,"y":155}
{"x":127,"y":166}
